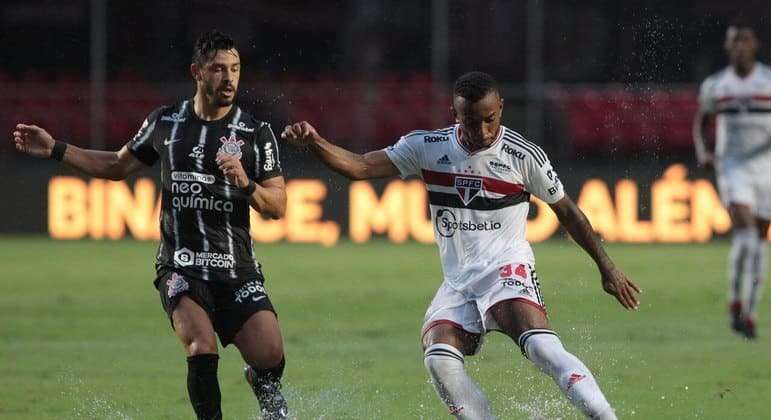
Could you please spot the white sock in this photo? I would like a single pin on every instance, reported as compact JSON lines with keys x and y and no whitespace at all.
{"x":759,"y":270}
{"x":545,"y":350}
{"x":744,"y":247}
{"x":457,"y":390}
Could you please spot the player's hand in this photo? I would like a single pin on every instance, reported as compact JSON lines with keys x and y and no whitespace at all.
{"x":33,"y":140}
{"x":300,"y":134}
{"x":230,"y":165}
{"x":706,"y":160}
{"x":615,"y":283}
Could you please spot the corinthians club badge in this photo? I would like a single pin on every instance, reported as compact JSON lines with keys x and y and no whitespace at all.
{"x":231,"y":146}
{"x":176,"y":284}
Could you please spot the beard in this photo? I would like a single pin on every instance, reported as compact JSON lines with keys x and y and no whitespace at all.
{"x":223,"y":102}
{"x":217,"y":97}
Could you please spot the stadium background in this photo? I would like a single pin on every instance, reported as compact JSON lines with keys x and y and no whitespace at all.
{"x":607,"y":88}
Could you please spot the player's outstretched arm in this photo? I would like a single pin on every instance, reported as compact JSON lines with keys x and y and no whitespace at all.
{"x":35,"y":141}
{"x":614,"y":281}
{"x":704,"y":157}
{"x":267,"y":197}
{"x":375,"y":164}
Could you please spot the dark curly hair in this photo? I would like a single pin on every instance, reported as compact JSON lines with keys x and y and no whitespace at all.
{"x":208,"y":43}
{"x":474,"y":85}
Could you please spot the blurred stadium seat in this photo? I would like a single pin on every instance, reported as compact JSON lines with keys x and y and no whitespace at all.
{"x":628,"y":121}
{"x":598,"y":118}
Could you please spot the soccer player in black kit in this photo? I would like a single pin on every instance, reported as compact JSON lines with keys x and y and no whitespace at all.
{"x":216,"y":162}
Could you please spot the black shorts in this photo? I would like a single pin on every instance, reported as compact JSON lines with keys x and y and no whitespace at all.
{"x":229,"y":305}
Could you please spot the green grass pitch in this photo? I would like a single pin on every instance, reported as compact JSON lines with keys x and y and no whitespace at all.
{"x":83,"y":335}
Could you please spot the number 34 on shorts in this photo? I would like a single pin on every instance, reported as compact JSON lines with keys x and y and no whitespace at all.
{"x":522,"y":277}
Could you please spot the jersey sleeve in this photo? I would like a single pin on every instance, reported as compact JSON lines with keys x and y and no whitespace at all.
{"x":707,"y":96}
{"x":541,"y":179}
{"x":406,"y":155}
{"x":144,"y":145}
{"x":267,"y":163}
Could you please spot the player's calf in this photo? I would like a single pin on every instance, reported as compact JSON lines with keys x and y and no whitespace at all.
{"x":545,"y":350}
{"x":203,"y":387}
{"x":457,"y":390}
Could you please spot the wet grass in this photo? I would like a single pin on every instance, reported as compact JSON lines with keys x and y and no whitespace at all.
{"x":83,"y":336}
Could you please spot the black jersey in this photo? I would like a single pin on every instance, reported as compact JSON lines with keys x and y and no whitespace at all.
{"x":205,"y":218}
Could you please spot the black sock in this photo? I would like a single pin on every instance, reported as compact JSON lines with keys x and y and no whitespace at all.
{"x":270,"y":375}
{"x":202,"y":386}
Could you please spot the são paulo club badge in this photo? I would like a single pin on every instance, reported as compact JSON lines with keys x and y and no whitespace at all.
{"x":231,"y":146}
{"x":467,"y":188}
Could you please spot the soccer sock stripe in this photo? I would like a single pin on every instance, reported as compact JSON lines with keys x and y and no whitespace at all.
{"x":445,"y":354}
{"x":442,"y":352}
{"x":522,"y":340}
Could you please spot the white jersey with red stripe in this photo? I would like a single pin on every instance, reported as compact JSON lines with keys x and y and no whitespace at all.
{"x":743,"y":109}
{"x":479,"y":200}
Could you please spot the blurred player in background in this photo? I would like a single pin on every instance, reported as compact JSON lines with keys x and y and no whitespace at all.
{"x":740,"y":97}
{"x":216,"y":162}
{"x":480,"y":176}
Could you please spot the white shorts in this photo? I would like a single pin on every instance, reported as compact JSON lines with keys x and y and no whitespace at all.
{"x":742,"y":184}
{"x":467,"y":309}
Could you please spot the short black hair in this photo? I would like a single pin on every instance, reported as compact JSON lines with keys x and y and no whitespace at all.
{"x":209,"y":43}
{"x":474,"y":85}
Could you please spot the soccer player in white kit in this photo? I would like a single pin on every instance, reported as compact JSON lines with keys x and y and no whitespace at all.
{"x":739,"y":96}
{"x":480,"y":175}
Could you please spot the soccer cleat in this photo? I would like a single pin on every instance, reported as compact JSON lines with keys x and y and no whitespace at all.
{"x":749,"y":329}
{"x":273,"y":405}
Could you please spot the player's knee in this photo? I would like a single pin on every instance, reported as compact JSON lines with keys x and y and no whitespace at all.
{"x":274,"y":354}
{"x":442,"y":359}
{"x":265,"y":356}
{"x":540,"y":344}
{"x":467,"y":343}
{"x":201,"y":346}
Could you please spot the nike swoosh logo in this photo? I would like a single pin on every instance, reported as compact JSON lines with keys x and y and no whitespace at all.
{"x":167,"y":142}
{"x":257,"y":298}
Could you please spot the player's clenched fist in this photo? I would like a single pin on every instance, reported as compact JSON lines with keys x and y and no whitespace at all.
{"x":300,"y":134}
{"x":230,"y":165}
{"x":33,"y":140}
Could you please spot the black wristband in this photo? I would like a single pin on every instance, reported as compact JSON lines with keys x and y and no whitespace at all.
{"x":250,"y":188}
{"x":57,"y":153}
